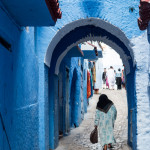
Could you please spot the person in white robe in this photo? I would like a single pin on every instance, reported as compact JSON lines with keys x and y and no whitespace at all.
{"x":111,"y":78}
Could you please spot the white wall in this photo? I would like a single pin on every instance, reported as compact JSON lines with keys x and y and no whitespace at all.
{"x":111,"y":58}
{"x":99,"y":71}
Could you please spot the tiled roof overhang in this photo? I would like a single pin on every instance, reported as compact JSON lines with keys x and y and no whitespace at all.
{"x":53,"y":6}
{"x":144,"y":12}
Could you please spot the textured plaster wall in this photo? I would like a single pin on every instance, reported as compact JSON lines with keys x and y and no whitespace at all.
{"x":6,"y":86}
{"x":74,"y":10}
{"x":123,"y":18}
{"x":29,"y":106}
{"x":141,"y":50}
{"x":46,"y":105}
{"x":76,"y":101}
{"x":25,"y":92}
{"x":18,"y":86}
{"x":72,"y":64}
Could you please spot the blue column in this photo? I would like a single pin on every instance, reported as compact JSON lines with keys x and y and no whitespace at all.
{"x":53,"y":111}
{"x":131,"y":98}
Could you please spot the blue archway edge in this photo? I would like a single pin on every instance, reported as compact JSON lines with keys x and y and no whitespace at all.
{"x":80,"y":33}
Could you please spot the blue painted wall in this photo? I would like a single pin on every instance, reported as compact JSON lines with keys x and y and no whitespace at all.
{"x":6,"y":87}
{"x":77,"y":103}
{"x":58,"y":108}
{"x":77,"y":108}
{"x":75,"y":74}
{"x":26,"y":91}
{"x":104,"y":10}
{"x":25,"y":94}
{"x":18,"y":86}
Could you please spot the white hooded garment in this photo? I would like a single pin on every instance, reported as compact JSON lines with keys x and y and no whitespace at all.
{"x":111,"y":77}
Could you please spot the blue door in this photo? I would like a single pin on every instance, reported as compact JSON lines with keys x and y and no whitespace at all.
{"x":67,"y":122}
{"x":60,"y":96}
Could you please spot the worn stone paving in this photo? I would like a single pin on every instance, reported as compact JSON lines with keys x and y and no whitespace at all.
{"x":79,"y":137}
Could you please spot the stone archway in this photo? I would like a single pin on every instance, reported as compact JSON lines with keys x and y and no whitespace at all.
{"x":96,"y":29}
{"x":107,"y":33}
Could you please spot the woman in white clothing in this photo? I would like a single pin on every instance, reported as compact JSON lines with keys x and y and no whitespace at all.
{"x":111,"y":78}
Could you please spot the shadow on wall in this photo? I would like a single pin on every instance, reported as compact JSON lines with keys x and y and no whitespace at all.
{"x":73,"y":101}
{"x":92,"y":11}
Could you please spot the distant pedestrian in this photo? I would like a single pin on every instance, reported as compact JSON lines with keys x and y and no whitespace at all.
{"x":115,"y":72}
{"x":123,"y":79}
{"x":104,"y":78}
{"x":111,"y":78}
{"x":107,"y":84}
{"x":105,"y":117}
{"x":118,"y":79}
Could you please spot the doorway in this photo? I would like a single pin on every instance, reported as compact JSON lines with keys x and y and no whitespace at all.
{"x":67,"y":122}
{"x":73,"y":99}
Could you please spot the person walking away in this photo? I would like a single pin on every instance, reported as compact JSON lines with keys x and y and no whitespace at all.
{"x":104,"y":78}
{"x":111,"y":78}
{"x":123,"y":79}
{"x":107,"y":84}
{"x":118,"y":79}
{"x":105,"y":117}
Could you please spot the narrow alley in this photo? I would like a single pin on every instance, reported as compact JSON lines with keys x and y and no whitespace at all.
{"x":79,"y":137}
{"x":56,"y":56}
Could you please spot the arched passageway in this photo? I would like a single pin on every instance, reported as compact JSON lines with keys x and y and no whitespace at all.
{"x":91,"y":29}
{"x":84,"y":30}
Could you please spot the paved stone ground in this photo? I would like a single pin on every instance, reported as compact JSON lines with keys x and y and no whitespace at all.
{"x":79,"y":137}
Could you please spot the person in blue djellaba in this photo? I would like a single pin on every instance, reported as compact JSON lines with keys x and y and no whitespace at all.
{"x":105,"y":117}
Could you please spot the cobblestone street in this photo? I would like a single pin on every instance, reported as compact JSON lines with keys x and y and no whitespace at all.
{"x":79,"y":137}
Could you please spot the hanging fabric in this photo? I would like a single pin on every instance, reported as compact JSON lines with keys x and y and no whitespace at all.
{"x":91,"y":82}
{"x":88,"y":85}
{"x":94,"y":73}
